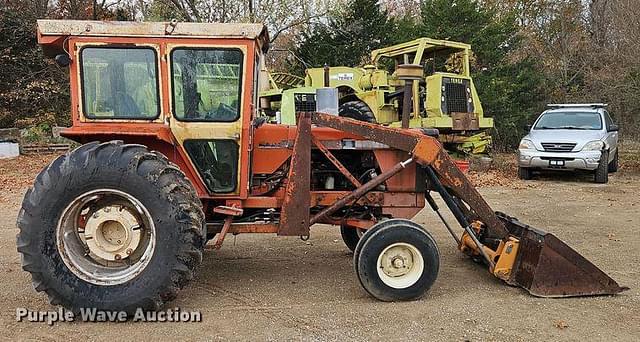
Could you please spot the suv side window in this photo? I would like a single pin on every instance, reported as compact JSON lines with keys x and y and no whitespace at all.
{"x":607,"y":120}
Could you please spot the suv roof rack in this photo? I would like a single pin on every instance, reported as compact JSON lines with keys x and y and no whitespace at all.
{"x":577,"y":105}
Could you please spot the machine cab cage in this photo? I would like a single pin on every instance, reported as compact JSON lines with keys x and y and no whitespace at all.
{"x":175,"y":153}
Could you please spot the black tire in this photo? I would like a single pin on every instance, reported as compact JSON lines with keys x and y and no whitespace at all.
{"x":350,"y":236}
{"x":164,"y":191}
{"x":601,"y":174}
{"x":357,"y":110}
{"x":384,"y":236}
{"x":525,"y":173}
{"x":367,"y":234}
{"x":613,"y":166}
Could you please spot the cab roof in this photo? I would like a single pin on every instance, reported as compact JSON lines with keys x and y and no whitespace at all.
{"x":53,"y":33}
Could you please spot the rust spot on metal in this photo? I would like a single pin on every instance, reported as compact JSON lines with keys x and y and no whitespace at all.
{"x":547,"y":267}
{"x":294,"y":218}
{"x":405,"y":140}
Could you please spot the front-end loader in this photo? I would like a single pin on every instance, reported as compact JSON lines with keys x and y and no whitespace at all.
{"x":174,"y":154}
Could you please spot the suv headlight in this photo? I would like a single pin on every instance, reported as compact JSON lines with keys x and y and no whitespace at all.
{"x":526,"y":144}
{"x":595,"y":145}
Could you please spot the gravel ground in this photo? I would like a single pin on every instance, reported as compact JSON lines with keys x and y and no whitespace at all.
{"x":269,"y":288}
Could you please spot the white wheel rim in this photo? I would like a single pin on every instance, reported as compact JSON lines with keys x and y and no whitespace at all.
{"x":400,"y":265}
{"x":114,"y":244}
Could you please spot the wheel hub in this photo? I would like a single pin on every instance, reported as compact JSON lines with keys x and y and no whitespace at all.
{"x":400,"y":265}
{"x":397,"y":261}
{"x":112,"y":233}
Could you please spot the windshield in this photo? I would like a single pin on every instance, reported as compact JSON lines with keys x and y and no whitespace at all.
{"x":206,"y":84}
{"x":570,"y":120}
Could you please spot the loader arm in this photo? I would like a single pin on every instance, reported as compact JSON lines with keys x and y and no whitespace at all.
{"x":427,"y":151}
{"x":516,"y":253}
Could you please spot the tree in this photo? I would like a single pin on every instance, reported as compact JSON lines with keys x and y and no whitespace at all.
{"x":509,"y":86}
{"x":346,"y":37}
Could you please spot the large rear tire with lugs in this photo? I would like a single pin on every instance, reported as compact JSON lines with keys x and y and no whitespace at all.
{"x":111,"y":226}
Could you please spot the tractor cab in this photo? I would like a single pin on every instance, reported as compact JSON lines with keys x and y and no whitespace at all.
{"x":194,"y":83}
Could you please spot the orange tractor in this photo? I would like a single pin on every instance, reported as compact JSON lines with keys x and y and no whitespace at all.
{"x":174,"y":153}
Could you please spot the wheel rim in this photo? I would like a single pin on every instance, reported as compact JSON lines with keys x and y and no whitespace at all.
{"x":400,"y":265}
{"x":106,"y":237}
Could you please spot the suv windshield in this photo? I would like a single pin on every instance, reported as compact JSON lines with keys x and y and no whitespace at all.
{"x":570,"y":120}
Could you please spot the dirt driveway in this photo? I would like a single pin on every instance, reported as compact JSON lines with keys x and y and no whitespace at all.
{"x":267,"y":288}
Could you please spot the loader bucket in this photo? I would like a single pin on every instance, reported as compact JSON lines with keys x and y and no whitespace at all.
{"x":547,"y":267}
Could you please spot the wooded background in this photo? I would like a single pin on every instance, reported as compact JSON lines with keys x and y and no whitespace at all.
{"x":527,"y":52}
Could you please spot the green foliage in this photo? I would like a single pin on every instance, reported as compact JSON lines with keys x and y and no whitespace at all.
{"x":347,"y":38}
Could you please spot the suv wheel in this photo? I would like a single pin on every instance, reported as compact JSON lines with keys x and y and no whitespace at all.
{"x":602,"y":172}
{"x":525,"y":173}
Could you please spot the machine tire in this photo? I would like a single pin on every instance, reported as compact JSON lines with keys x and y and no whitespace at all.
{"x":602,"y":172}
{"x":357,"y":110}
{"x":406,"y":239}
{"x":525,"y":173}
{"x":174,"y":217}
{"x":351,"y":236}
{"x":367,"y":234}
{"x":613,"y":166}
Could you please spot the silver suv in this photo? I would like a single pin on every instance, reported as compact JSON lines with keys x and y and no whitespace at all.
{"x":571,"y":137}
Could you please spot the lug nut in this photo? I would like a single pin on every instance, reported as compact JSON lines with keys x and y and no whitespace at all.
{"x":118,"y":257}
{"x":129,"y":251}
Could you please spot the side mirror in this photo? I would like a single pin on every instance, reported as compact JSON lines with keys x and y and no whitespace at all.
{"x":527,"y":127}
{"x":63,"y":60}
{"x":613,"y":128}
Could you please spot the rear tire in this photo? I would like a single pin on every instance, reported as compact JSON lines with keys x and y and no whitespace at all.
{"x":357,"y":110}
{"x":602,"y":172}
{"x":54,"y":229}
{"x":613,"y":166}
{"x":397,"y":261}
{"x":525,"y":173}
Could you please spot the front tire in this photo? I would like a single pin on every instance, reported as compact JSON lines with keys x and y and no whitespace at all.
{"x":351,"y":236}
{"x":91,"y":218}
{"x":397,"y":262}
{"x":525,"y":173}
{"x":602,"y":172}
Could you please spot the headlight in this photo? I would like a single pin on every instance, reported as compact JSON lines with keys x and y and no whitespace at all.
{"x":595,"y":145}
{"x":526,"y":144}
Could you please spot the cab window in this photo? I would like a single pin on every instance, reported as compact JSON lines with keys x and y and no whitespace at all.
{"x":216,"y":161}
{"x":119,"y":83}
{"x":206,"y":84}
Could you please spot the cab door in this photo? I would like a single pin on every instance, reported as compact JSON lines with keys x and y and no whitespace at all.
{"x":210,"y":113}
